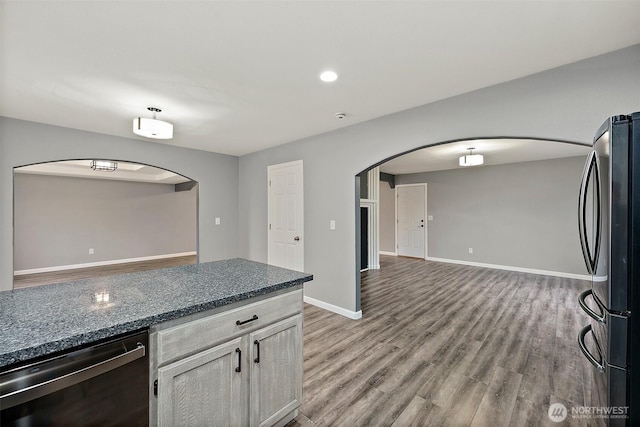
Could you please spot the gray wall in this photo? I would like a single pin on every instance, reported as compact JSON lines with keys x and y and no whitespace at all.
{"x":57,"y":219}
{"x":387,"y":218}
{"x":23,"y":143}
{"x":566,"y":103}
{"x":519,"y":215}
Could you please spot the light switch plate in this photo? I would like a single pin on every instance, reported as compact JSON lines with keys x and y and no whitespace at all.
{"x":217,"y":221}
{"x":332,"y":224}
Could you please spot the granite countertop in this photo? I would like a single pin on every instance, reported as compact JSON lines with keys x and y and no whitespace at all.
{"x":47,"y":319}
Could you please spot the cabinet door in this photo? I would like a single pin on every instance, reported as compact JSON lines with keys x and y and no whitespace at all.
{"x":276,"y":371}
{"x":204,"y":389}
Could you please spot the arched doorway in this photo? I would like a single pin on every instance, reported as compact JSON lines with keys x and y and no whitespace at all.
{"x":87,"y":217}
{"x":524,"y":191}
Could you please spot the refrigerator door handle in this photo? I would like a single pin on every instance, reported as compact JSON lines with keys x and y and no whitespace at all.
{"x":596,"y":250}
{"x":595,"y":362}
{"x":595,"y":316}
{"x":591,"y":166}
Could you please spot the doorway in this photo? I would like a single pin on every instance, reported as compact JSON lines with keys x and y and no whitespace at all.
{"x":411,"y":226}
{"x":286,"y":215}
{"x":83,"y":218}
{"x":364,"y":240}
{"x":477,"y":213}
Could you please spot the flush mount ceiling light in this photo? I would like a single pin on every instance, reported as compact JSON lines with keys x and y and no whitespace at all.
{"x":471,"y":159}
{"x":152,"y":128}
{"x":328,"y":76}
{"x":103,"y":165}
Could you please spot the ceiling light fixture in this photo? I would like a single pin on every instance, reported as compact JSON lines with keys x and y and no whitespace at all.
{"x":104,"y":165}
{"x":152,"y":128}
{"x":471,"y":159}
{"x":329,"y":76}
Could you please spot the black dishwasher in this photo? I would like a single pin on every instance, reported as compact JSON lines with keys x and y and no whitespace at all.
{"x":106,"y":384}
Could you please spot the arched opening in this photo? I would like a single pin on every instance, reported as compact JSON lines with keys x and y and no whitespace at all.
{"x":92,"y":217}
{"x":513,"y":212}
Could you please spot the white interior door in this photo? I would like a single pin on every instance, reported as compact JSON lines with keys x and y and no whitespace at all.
{"x":410,"y":214}
{"x":286,"y":216}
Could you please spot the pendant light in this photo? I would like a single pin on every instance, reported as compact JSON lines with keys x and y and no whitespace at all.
{"x":152,"y":128}
{"x":471,"y":159}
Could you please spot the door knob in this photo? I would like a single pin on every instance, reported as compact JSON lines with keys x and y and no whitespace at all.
{"x":297,"y":238}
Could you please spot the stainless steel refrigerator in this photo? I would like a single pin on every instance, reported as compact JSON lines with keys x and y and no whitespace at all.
{"x":609,"y":226}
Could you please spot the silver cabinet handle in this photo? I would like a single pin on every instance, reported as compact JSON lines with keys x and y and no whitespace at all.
{"x":595,"y":316}
{"x":597,"y":363}
{"x":38,"y":390}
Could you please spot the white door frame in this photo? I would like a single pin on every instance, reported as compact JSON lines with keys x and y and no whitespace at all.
{"x":372,"y":203}
{"x":270,"y":168}
{"x":426,"y":216}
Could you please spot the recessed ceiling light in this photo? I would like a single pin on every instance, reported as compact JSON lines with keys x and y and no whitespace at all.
{"x":328,"y":76}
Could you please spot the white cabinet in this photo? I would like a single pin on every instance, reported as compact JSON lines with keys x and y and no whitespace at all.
{"x":276,"y":371}
{"x":240,"y":366}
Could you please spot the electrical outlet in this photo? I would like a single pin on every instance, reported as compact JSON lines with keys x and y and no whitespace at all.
{"x":470,"y":250}
{"x":332,"y":224}
{"x":91,"y":251}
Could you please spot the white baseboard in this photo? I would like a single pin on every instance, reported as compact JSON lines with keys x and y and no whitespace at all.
{"x":510,"y":268}
{"x":355,"y":315}
{"x":388,"y":253}
{"x":99,"y":263}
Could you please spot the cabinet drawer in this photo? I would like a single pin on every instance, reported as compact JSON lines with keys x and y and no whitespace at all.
{"x":194,"y":336}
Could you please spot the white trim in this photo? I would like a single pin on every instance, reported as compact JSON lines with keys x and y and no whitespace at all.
{"x":389,"y":253}
{"x":372,"y":203}
{"x":99,"y":263}
{"x":518,"y":269}
{"x":285,"y":165}
{"x":355,"y":315}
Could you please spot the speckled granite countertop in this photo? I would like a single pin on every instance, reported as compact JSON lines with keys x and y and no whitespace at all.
{"x":43,"y":320}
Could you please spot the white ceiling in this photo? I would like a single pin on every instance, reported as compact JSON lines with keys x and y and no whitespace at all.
{"x":495,"y":151}
{"x":125,"y":172}
{"x":239,"y":76}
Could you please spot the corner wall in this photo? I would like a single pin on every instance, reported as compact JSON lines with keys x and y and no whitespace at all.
{"x":563,"y":104}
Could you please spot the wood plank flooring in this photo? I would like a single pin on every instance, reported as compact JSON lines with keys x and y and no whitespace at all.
{"x":446,"y":345}
{"x":37,"y":279}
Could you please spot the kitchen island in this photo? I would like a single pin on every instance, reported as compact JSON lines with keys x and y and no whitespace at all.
{"x":39,"y":321}
{"x":222,"y":336}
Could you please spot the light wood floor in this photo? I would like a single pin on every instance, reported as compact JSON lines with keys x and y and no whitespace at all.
{"x":444,"y":344}
{"x":37,"y":279}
